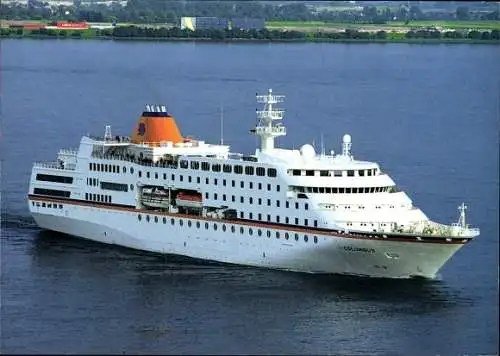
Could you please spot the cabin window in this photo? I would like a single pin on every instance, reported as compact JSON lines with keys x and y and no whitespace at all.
{"x":183,"y":164}
{"x":260,"y":186}
{"x":215,"y":227}
{"x":224,"y":182}
{"x":261,"y":171}
{"x":296,"y":237}
{"x":372,"y":190}
{"x":86,"y":196}
{"x":341,"y":190}
{"x":233,"y":199}
{"x":337,"y":173}
{"x":268,"y":233}
{"x":328,"y":190}
{"x":224,"y":197}
{"x":315,"y":239}
{"x":305,"y":222}
{"x":268,"y":217}
{"x":277,"y":218}
{"x":286,"y":235}
{"x":215,"y":181}
{"x":124,"y":169}
{"x":233,"y":229}
{"x":242,"y":184}
{"x":271,"y":172}
{"x":260,"y":201}
{"x":131,"y":170}
{"x":348,"y":190}
{"x":268,"y":202}
{"x":250,"y":200}
{"x":241,"y":215}
{"x":52,"y":192}
{"x":350,"y":173}
{"x":323,"y":173}
{"x":147,"y":174}
{"x":278,"y":188}
{"x":205,"y":166}
{"x":287,"y":220}
{"x":189,"y":179}
{"x":53,"y":178}
{"x":296,"y":205}
{"x":156,"y":175}
{"x":139,"y":217}
{"x":198,"y":180}
{"x":114,"y":186}
{"x":369,"y":171}
{"x":227,"y":168}
{"x":315,"y":189}
{"x":215,"y":196}
{"x":147,"y":218}
{"x":306,"y":206}
{"x":250,"y":231}
{"x":233,"y":183}
{"x":206,"y":180}
{"x":315,"y":223}
{"x":251,"y":185}
{"x":259,"y":217}
{"x":278,"y":203}
{"x":310,"y":173}
{"x":259,"y":232}
{"x":277,"y":234}
{"x":306,"y":238}
{"x":250,"y":216}
{"x":195,"y":165}
{"x":269,"y":187}
{"x":238,"y":169}
{"x":242,"y":200}
{"x":90,"y":166}
{"x":296,"y":172}
{"x":361,"y":173}
{"x":249,"y":170}
{"x":156,"y":219}
{"x":216,"y":167}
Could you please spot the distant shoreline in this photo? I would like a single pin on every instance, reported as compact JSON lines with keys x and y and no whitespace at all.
{"x":255,"y":40}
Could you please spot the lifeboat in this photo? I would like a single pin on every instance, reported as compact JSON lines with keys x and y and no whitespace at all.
{"x":189,"y":200}
{"x":155,"y":197}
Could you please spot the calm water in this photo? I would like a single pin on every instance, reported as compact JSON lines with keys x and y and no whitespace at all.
{"x":428,"y":114}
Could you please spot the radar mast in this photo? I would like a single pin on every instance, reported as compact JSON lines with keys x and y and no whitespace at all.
{"x":265,"y":128}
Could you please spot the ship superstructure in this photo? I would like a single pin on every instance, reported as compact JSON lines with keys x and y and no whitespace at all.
{"x":157,"y":190}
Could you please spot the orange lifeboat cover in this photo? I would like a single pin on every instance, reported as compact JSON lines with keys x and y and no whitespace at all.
{"x":153,"y":129}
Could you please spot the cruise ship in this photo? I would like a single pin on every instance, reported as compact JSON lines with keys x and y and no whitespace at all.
{"x":287,"y":209}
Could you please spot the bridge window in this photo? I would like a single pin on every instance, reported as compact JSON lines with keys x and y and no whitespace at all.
{"x":195,"y":165}
{"x":369,"y":171}
{"x":227,"y":168}
{"x":323,"y":173}
{"x":249,"y":170}
{"x":261,"y":171}
{"x":337,"y":173}
{"x":216,"y":167}
{"x":296,"y":172}
{"x":271,"y":172}
{"x":310,"y":173}
{"x":238,"y":169}
{"x":205,"y":166}
{"x":350,"y":173}
{"x":183,"y":164}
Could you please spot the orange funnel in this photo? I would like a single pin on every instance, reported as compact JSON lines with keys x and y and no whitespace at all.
{"x":156,"y":126}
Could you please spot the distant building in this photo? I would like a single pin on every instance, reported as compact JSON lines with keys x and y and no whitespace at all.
{"x":204,"y":23}
{"x":248,"y":23}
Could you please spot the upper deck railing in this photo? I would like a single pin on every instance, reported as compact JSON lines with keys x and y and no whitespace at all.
{"x":54,"y":165}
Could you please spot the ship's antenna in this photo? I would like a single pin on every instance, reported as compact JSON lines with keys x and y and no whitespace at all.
{"x":221,"y":124}
{"x":322,"y":145}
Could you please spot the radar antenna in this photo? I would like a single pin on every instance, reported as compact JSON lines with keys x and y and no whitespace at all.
{"x":265,"y":128}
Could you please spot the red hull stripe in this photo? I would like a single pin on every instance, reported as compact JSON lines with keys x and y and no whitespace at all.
{"x":259,"y":224}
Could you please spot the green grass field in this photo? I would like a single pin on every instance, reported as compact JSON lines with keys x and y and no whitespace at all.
{"x":477,"y":25}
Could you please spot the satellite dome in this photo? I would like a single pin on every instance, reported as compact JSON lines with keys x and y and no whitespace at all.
{"x":307,"y":151}
{"x":347,"y":138}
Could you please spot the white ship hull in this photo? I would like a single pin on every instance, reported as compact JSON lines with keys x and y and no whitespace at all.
{"x":331,"y":254}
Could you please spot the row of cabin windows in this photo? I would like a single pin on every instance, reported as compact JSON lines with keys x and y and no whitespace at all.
{"x":334,"y":173}
{"x":250,"y":200}
{"x":329,"y":190}
{"x":224,"y":228}
{"x":93,"y":182}
{"x":101,"y":198}
{"x":102,"y":167}
{"x":227,"y":168}
{"x":47,"y":205}
{"x":215,"y":181}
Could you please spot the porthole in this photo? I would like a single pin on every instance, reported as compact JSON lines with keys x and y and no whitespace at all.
{"x":233,"y":229}
{"x":172,"y":221}
{"x":189,"y":223}
{"x":315,"y":239}
{"x":223,"y":227}
{"x":268,"y":233}
{"x":215,"y":227}
{"x":147,"y":218}
{"x":156,"y":219}
{"x":164,"y":220}
{"x":306,"y":238}
{"x":139,"y":217}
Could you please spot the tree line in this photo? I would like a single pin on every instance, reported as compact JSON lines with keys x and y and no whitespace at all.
{"x":161,"y":11}
{"x":264,"y":34}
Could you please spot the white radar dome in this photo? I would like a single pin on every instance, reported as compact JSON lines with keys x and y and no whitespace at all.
{"x":347,"y":138}
{"x":307,"y":151}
